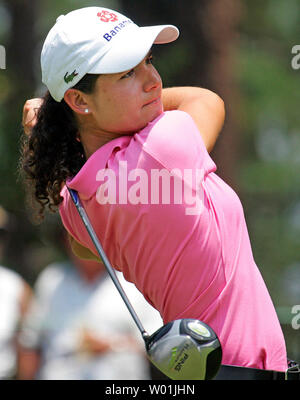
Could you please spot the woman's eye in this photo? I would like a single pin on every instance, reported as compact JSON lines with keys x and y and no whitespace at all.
{"x":128,"y":74}
{"x":149,"y":60}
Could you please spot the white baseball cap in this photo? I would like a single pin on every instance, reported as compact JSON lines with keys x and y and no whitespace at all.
{"x":95,"y":40}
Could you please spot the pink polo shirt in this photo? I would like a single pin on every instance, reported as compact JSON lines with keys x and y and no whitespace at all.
{"x":181,"y":238}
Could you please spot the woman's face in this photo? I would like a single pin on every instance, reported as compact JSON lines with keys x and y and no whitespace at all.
{"x":126,"y":102}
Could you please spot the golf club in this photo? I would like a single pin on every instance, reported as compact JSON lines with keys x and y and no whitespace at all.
{"x":183,"y":349}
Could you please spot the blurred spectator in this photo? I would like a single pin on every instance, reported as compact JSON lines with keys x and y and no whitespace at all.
{"x":78,"y":327}
{"x":15,"y":294}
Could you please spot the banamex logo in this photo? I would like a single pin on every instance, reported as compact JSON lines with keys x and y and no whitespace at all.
{"x":107,"y":16}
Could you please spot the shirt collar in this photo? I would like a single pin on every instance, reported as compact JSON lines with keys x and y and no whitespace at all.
{"x":85,"y":180}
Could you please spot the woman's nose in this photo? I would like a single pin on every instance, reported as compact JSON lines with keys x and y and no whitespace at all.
{"x":153,"y":80}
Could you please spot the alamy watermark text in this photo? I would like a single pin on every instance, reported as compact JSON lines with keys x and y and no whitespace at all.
{"x":2,"y":57}
{"x":296,"y":59}
{"x":296,"y":319}
{"x":154,"y":186}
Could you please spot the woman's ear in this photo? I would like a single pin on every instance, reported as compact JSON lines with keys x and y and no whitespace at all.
{"x":77,"y":101}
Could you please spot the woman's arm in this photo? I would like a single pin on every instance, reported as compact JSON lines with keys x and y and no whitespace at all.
{"x":204,"y":106}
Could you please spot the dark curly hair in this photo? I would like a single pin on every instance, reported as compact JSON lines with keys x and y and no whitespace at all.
{"x":52,"y":152}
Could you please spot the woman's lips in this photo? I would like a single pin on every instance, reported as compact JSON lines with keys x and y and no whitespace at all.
{"x":152,"y":102}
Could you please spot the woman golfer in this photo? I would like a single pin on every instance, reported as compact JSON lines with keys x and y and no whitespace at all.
{"x":139,"y":158}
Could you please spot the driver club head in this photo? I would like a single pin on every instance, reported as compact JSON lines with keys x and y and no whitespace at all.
{"x":185,"y":349}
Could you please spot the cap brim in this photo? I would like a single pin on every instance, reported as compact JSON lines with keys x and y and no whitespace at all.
{"x":131,"y":47}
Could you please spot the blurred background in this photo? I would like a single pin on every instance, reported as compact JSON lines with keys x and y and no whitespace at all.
{"x":241,"y":49}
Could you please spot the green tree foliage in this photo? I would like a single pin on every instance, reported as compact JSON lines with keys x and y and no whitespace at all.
{"x":269,"y":122}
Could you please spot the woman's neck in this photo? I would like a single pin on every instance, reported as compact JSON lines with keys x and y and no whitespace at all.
{"x":92,"y":139}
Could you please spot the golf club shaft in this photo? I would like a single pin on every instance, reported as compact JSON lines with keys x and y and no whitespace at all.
{"x":110,"y":270}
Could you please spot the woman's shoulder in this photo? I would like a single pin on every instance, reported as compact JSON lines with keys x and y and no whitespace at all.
{"x":171,"y":119}
{"x":173,"y":132}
